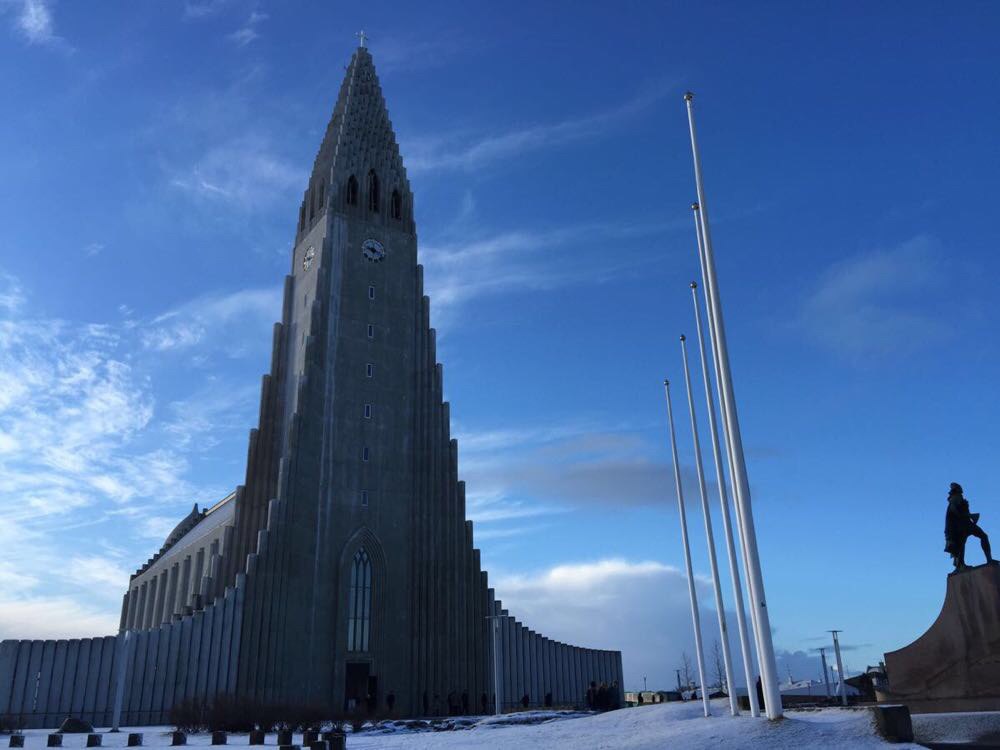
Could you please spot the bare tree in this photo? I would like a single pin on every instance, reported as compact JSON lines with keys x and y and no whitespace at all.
{"x":720,"y":667}
{"x":686,"y":670}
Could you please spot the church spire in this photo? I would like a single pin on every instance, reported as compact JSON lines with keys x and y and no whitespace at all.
{"x":359,"y":152}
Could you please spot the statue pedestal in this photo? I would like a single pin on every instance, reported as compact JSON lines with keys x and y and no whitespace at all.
{"x":955,"y":665}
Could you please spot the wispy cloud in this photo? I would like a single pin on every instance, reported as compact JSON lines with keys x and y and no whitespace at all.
{"x":462,"y":267}
{"x":248,"y":31}
{"x":84,"y":448}
{"x":34,"y":21}
{"x":245,"y":173}
{"x":11,"y":294}
{"x":198,"y":9}
{"x":221,"y":316}
{"x":408,"y":52}
{"x":538,"y":472}
{"x":879,"y":303}
{"x":464,"y":151}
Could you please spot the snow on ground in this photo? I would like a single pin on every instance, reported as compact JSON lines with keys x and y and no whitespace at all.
{"x":980,"y":727}
{"x":664,"y":725}
{"x":655,"y":727}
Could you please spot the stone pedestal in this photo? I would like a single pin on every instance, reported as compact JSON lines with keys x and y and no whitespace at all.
{"x":893,"y":723}
{"x":955,"y":665}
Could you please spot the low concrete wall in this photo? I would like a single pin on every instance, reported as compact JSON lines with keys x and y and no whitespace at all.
{"x":43,"y":682}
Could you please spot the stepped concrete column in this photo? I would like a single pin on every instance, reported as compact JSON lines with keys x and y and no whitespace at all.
{"x":171,"y":600}
{"x":184,"y":591}
{"x":147,"y":615}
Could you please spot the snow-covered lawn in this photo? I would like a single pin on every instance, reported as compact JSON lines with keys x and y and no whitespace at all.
{"x":657,"y":727}
{"x":665,"y":725}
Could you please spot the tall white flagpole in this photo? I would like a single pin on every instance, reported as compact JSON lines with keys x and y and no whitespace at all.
{"x":840,"y":667}
{"x":729,"y":447}
{"x":695,"y":619}
{"x":748,"y":664}
{"x":727,"y":527}
{"x":826,"y":675}
{"x":755,"y":579}
{"x":720,"y":607}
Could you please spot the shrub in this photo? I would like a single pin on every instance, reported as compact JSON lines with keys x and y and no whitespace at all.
{"x":227,"y":713}
{"x":11,"y":724}
{"x":300,"y":718}
{"x":188,"y":716}
{"x":231,"y":714}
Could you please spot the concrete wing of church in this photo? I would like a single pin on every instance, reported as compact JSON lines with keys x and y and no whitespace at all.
{"x":342,"y":574}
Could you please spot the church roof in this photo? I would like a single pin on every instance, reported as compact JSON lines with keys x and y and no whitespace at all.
{"x":359,"y":136}
{"x":187,"y":523}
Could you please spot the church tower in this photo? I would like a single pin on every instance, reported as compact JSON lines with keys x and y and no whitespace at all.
{"x":343,"y":570}
{"x":347,"y":453}
{"x":367,"y":560}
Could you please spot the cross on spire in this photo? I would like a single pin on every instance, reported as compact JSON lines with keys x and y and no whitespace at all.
{"x":362,"y":36}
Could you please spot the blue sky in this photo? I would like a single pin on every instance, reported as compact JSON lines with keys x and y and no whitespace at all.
{"x":153,"y":156}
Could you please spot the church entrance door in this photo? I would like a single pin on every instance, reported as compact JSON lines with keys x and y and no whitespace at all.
{"x":357,"y":686}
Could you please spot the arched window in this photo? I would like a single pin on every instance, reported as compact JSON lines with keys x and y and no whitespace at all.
{"x":352,"y":191}
{"x":359,"y":603}
{"x":373,"y":191}
{"x":396,"y":205}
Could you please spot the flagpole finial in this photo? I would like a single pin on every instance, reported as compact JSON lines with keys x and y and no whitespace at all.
{"x":666,"y":382}
{"x":694,"y":284}
{"x":683,"y":337}
{"x":688,"y":96}
{"x":695,"y":206}
{"x":362,"y":36}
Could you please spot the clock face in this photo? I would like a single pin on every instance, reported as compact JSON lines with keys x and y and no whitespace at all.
{"x":373,"y":250}
{"x":307,"y":259}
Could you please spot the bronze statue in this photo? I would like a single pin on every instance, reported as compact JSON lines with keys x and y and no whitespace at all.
{"x":959,"y":525}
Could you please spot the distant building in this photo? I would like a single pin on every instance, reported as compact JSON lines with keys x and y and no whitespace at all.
{"x":651,"y":696}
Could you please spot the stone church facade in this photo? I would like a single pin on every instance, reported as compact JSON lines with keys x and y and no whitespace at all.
{"x":343,"y":570}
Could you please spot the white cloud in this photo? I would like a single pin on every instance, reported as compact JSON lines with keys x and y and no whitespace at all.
{"x":248,"y":31}
{"x":77,"y":418}
{"x":639,"y":607}
{"x":11,"y":294}
{"x":217,"y":317}
{"x":34,"y":21}
{"x":98,"y":573}
{"x":880,"y":303}
{"x":47,"y":617}
{"x":199,"y":9}
{"x":458,"y":151}
{"x":244,"y":172}
{"x":467,"y":267}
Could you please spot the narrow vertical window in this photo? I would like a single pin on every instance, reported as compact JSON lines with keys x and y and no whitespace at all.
{"x":352,"y":191}
{"x":371,"y":292}
{"x":364,"y":453}
{"x":370,"y":370}
{"x":396,"y":205}
{"x":368,"y":411}
{"x":364,"y":498}
{"x":373,"y":191}
{"x":359,"y":603}
{"x":371,"y":331}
